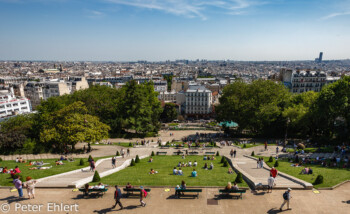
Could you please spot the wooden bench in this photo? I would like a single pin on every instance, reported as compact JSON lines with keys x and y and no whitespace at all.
{"x":210,"y":153}
{"x":161,"y":153}
{"x":193,"y":153}
{"x":178,"y":153}
{"x":180,"y":192}
{"x":130,"y":191}
{"x":99,"y":192}
{"x":240,"y":191}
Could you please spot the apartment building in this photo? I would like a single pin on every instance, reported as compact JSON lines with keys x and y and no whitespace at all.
{"x":167,"y":97}
{"x":198,"y":101}
{"x":11,"y":105}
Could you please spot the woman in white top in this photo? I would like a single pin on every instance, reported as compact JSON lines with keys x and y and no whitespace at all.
{"x":30,"y":184}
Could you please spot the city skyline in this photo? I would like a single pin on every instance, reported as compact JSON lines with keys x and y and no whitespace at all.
{"x":119,"y":30}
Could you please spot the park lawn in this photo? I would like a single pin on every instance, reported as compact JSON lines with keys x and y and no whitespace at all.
{"x":125,"y":144}
{"x":139,"y":174}
{"x":6,"y":180}
{"x":249,"y":145}
{"x":331,"y":176}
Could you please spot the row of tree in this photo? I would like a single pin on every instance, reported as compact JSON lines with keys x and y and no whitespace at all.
{"x":85,"y":116}
{"x":270,"y":110}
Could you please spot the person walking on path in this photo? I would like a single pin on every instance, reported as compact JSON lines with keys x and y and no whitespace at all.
{"x":128,"y":152}
{"x":265,"y":145}
{"x":258,"y":163}
{"x":117,"y":197}
{"x":277,"y":149}
{"x":18,"y":184}
{"x":231,"y":153}
{"x":234,"y":153}
{"x":113,"y":162}
{"x":143,"y":194}
{"x":261,"y":162}
{"x":270,"y":183}
{"x":286,"y":197}
{"x":273,"y":172}
{"x":92,"y":165}
{"x":30,"y":184}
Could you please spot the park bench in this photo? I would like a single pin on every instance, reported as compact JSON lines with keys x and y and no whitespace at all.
{"x":240,"y":191}
{"x":130,"y":191}
{"x":99,"y":192}
{"x":210,"y":153}
{"x":193,"y":153}
{"x":161,"y":153}
{"x":181,"y":191}
{"x":178,"y":153}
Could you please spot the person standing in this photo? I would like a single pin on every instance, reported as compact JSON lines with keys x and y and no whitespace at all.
{"x":273,"y":172}
{"x":30,"y":184}
{"x":231,"y":153}
{"x":286,"y":197}
{"x":277,"y":150}
{"x":234,"y":153}
{"x":270,"y":183}
{"x":92,"y":165}
{"x":261,"y":162}
{"x":143,"y":194}
{"x":258,"y":163}
{"x":18,"y":184}
{"x":128,"y":152}
{"x":117,"y":197}
{"x":265,"y":145}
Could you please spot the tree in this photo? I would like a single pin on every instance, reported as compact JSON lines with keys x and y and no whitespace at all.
{"x":318,"y":180}
{"x":71,"y":125}
{"x":169,"y":112}
{"x":81,"y":163}
{"x":137,"y":159}
{"x":257,"y":106}
{"x":96,"y":177}
{"x":239,"y":178}
{"x":132,"y":163}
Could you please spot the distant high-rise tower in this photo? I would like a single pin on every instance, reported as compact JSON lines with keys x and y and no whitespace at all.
{"x":320,"y":57}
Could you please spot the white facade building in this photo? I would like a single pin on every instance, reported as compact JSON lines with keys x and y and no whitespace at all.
{"x":198,"y":101}
{"x":168,"y":97}
{"x":10,"y":105}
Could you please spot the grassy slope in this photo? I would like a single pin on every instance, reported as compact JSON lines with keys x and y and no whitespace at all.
{"x":6,"y":180}
{"x":331,"y":176}
{"x":139,"y":174}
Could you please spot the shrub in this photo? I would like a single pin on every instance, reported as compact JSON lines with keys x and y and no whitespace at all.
{"x":159,"y":144}
{"x":96,"y":177}
{"x":117,"y":153}
{"x":152,"y":153}
{"x":301,"y":146}
{"x":223,"y":159}
{"x":252,"y":153}
{"x":319,"y":180}
{"x":130,"y":144}
{"x":217,"y":153}
{"x":81,"y":163}
{"x":244,"y":145}
{"x":137,"y":159}
{"x":132,"y":162}
{"x":239,"y":178}
{"x":225,"y":163}
{"x":270,"y":159}
{"x":276,"y":164}
{"x":0,"y":159}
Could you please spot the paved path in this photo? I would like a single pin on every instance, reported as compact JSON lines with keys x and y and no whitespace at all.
{"x":70,"y":180}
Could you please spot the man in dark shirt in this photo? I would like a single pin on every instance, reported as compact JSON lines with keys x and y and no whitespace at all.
{"x":117,"y":197}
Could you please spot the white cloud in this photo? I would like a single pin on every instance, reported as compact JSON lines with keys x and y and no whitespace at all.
{"x":333,"y":15}
{"x":192,"y":8}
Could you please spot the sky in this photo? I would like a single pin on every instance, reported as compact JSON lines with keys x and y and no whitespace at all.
{"x":157,"y":30}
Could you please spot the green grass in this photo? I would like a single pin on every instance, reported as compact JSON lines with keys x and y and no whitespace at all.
{"x":332,"y":176}
{"x":249,"y":145}
{"x":126,"y":144}
{"x":313,"y":150}
{"x":6,"y":180}
{"x":185,"y":145}
{"x":173,"y":124}
{"x":139,"y":174}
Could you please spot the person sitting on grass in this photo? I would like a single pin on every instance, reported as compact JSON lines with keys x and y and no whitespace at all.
{"x":212,"y":158}
{"x":211,"y":166}
{"x":153,"y":172}
{"x":205,"y":158}
{"x":189,"y":163}
{"x":205,"y":166}
{"x":174,"y":171}
{"x":194,"y":173}
{"x":230,"y":171}
{"x":195,"y":163}
{"x":179,"y":172}
{"x":150,"y":160}
{"x":179,"y":164}
{"x":5,"y":170}
{"x":128,"y":186}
